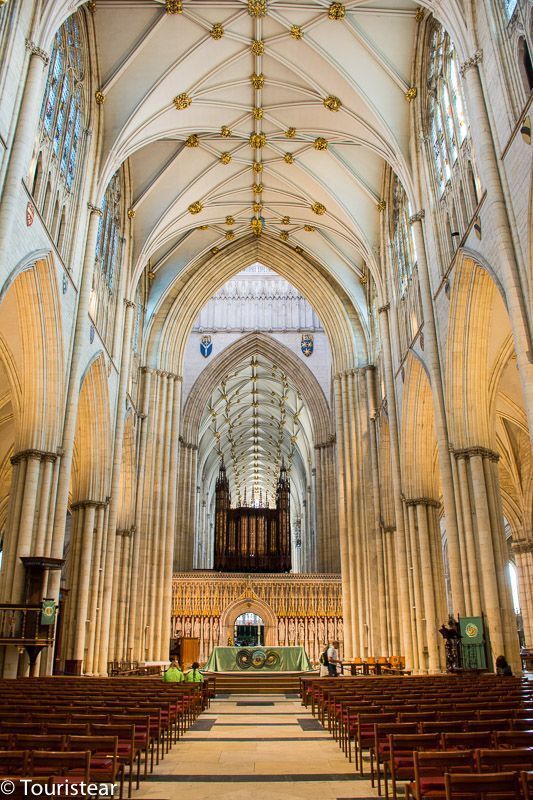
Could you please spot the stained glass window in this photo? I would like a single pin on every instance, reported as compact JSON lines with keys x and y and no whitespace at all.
{"x":446,"y":108}
{"x":109,"y":232}
{"x":403,"y":246}
{"x":63,"y":106}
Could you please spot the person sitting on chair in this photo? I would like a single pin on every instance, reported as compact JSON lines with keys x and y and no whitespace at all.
{"x":173,"y":674}
{"x":502,"y":667}
{"x":333,"y":659}
{"x":194,"y":675}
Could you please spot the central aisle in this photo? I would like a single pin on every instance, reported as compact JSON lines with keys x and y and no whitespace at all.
{"x":261,"y":746}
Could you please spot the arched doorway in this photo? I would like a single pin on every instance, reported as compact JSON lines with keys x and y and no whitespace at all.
{"x":249,"y":630}
{"x":249,"y":607}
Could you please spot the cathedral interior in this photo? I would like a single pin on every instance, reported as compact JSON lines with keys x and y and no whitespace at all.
{"x":266,"y":328}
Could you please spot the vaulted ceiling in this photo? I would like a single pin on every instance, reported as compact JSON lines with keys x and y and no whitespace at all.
{"x":255,"y":419}
{"x":283,"y":112}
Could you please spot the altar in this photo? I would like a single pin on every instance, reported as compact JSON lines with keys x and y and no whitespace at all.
{"x":251,"y":659}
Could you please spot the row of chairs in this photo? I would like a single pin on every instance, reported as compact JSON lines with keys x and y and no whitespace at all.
{"x":65,"y":717}
{"x":430,"y":713}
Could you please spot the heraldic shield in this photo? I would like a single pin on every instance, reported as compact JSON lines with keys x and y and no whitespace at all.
{"x":307,"y":344}
{"x":206,"y":346}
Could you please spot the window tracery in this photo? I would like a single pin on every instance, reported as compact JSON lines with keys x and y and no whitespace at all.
{"x":448,"y":125}
{"x":108,"y":256}
{"x":63,"y":120}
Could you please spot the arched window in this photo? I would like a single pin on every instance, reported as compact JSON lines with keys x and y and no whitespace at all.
{"x":403,"y":246}
{"x":109,"y":232}
{"x":63,"y":109}
{"x":446,"y":108}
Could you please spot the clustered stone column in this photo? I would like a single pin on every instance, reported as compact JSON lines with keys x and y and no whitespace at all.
{"x":144,"y":626}
{"x":361,"y":545}
{"x":487,"y":581}
{"x":523,"y":553}
{"x":326,"y":506}
{"x":426,"y":582}
{"x":186,"y":513}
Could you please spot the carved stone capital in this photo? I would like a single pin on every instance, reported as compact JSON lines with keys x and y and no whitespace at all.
{"x":35,"y":50}
{"x":388,"y":528}
{"x":37,"y":455}
{"x":94,"y":209}
{"x":522,"y":547}
{"x":147,"y":370}
{"x":422,"y":501}
{"x":384,"y":309}
{"x":484,"y":452}
{"x":417,"y":217}
{"x":129,"y":303}
{"x":471,"y":62}
{"x":87,"y":504}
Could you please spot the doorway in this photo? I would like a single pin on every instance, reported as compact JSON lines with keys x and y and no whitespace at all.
{"x":249,"y":630}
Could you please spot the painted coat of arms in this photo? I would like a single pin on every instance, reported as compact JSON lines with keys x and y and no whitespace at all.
{"x":206,"y":346}
{"x":307,"y":344}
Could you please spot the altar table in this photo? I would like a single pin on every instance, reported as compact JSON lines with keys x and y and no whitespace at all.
{"x":255,"y":659}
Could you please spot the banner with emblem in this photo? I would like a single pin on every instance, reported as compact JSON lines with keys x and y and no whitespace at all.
{"x":307,"y":344}
{"x":472,"y":631}
{"x":206,"y":346}
{"x":48,"y":612}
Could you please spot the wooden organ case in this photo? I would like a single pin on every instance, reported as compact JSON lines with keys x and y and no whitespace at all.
{"x":252,"y":538}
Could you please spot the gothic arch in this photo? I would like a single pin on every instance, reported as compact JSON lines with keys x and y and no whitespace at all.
{"x":92,"y":443}
{"x":179,"y":306}
{"x":247,"y":346}
{"x":418,"y":438}
{"x":248,"y":605}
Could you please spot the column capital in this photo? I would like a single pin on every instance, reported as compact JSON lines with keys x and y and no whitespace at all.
{"x":388,"y":528}
{"x":88,"y":504}
{"x":35,"y":50}
{"x":148,"y":370}
{"x":421,"y":501}
{"x":418,"y":216}
{"x":522,"y":547}
{"x":471,"y":62}
{"x":384,"y":309}
{"x":38,"y":455}
{"x":484,"y":452}
{"x":94,"y":209}
{"x":129,"y":303}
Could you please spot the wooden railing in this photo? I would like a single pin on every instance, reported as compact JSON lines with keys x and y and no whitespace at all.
{"x":21,"y":624}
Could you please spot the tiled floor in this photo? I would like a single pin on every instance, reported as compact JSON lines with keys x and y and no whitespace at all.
{"x":240,"y":750}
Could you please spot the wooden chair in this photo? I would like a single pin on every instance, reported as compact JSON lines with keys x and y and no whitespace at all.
{"x":430,"y":768}
{"x":505,"y":760}
{"x":489,"y":786}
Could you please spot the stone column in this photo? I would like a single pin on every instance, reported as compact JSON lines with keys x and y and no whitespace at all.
{"x":379,"y":574}
{"x":135,"y":621}
{"x":443,"y":445}
{"x":23,"y":140}
{"x":93,"y":609}
{"x":170,"y":532}
{"x":514,"y":283}
{"x":84,"y":577}
{"x":345,"y":555}
{"x":416,"y":583}
{"x":401,"y":551}
{"x":73,"y":393}
{"x":432,"y":583}
{"x":109,"y":586}
{"x":488,"y":547}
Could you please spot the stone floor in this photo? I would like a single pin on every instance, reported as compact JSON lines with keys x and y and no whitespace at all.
{"x":265,"y":747}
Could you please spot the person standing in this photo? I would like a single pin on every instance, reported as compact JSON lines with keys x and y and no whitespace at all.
{"x":333,"y":659}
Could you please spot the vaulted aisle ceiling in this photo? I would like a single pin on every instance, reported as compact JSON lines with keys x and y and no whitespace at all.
{"x":255,"y":419}
{"x":232,"y":117}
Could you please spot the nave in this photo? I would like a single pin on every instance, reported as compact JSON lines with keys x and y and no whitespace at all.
{"x":263,"y":746}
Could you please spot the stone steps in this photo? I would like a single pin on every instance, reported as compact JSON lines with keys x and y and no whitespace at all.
{"x":257,"y":682}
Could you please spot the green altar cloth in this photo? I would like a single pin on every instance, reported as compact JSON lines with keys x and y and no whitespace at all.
{"x":255,"y":659}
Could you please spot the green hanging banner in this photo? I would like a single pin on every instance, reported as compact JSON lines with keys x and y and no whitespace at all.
{"x":472,"y":631}
{"x":48,"y":612}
